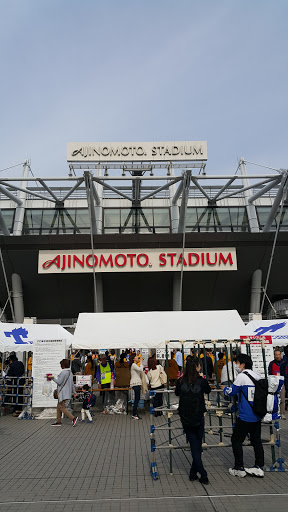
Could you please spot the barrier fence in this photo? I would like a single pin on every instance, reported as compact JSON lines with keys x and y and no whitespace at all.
{"x":18,"y":393}
{"x":221,"y":411}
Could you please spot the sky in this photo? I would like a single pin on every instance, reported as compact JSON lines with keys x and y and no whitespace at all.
{"x":131,"y":70}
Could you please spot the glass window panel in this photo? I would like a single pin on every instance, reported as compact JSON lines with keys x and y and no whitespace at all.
{"x":82,"y":218}
{"x":112,"y":217}
{"x":162,"y":230}
{"x":83,"y":230}
{"x":145,"y":231}
{"x":127,"y":217}
{"x":50,"y":219}
{"x":263,"y":213}
{"x":222,"y":217}
{"x":145,"y":217}
{"x":8,"y":217}
{"x":205,"y":218}
{"x":239,"y":217}
{"x":161,"y":217}
{"x":111,"y":231}
{"x":191,"y":217}
{"x":36,"y":218}
{"x":284,"y":217}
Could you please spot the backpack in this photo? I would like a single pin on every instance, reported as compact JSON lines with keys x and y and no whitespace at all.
{"x":259,"y":406}
{"x":191,"y":406}
{"x":92,"y":400}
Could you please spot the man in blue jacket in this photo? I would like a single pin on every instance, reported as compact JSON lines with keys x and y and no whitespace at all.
{"x":247,"y":421}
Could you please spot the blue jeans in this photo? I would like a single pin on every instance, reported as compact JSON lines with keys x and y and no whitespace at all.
{"x":137,"y":392}
{"x":194,"y":438}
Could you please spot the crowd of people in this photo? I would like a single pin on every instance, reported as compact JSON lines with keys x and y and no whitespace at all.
{"x":192,"y":377}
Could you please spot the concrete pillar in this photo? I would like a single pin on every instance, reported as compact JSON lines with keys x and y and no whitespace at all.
{"x":250,"y":208}
{"x":99,"y":292}
{"x":17,"y":295}
{"x":256,"y":288}
{"x":176,"y":291}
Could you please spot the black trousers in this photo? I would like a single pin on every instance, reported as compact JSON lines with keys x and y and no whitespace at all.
{"x":241,"y":430}
{"x":194,"y":437}
{"x":158,"y":400}
{"x":137,"y":394}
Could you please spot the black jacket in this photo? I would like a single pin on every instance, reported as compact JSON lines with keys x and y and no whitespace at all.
{"x":192,"y":403}
{"x":16,"y":369}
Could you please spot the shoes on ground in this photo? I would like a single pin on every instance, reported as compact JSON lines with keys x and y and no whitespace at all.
{"x":193,"y":477}
{"x":136,"y":417}
{"x":204,"y":480}
{"x":56,"y":424}
{"x":237,"y":472}
{"x":283,"y":417}
{"x":74,"y":421}
{"x":89,"y":421}
{"x":255,"y":471}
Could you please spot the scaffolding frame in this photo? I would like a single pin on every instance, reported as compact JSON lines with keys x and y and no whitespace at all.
{"x":215,"y":408}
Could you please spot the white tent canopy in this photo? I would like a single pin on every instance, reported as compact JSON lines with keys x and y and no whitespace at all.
{"x":277,"y":329}
{"x":21,"y":337}
{"x":152,"y":329}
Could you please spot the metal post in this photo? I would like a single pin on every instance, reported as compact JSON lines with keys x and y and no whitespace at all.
{"x":256,"y":291}
{"x":218,"y":394}
{"x":20,"y":210}
{"x":277,"y":201}
{"x":251,"y":210}
{"x":17,"y":295}
{"x":168,"y":413}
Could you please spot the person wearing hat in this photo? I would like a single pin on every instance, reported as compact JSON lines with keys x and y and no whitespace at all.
{"x":104,"y":374}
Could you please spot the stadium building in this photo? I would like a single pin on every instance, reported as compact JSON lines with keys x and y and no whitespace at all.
{"x":109,"y":236}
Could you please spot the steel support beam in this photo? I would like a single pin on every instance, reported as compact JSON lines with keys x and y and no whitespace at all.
{"x":223,"y":188}
{"x":184,"y":202}
{"x":49,"y":190}
{"x":161,"y":188}
{"x":11,"y":196}
{"x":265,"y":189}
{"x":79,"y":182}
{"x":273,"y":212}
{"x":90,"y":200}
{"x":250,"y":208}
{"x":199,"y":187}
{"x":178,"y":191}
{"x":249,"y":187}
{"x":105,"y":185}
{"x":27,"y":191}
{"x":20,"y":210}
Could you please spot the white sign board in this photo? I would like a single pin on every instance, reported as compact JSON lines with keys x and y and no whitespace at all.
{"x":136,"y":151}
{"x":136,"y":260}
{"x":81,"y":380}
{"x":256,"y":352}
{"x":46,"y":359}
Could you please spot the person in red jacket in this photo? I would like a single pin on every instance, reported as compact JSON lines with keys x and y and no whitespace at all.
{"x":274,"y":369}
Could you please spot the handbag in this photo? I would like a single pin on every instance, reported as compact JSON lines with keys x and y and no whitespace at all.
{"x":56,"y":394}
{"x":163,"y":377}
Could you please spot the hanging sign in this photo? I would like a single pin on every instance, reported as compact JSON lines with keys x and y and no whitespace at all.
{"x":256,"y":351}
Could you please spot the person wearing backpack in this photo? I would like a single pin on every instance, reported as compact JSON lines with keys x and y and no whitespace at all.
{"x":191,"y":389}
{"x":88,"y":401}
{"x":248,"y":385}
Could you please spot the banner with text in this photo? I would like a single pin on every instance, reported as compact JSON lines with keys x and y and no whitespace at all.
{"x":136,"y":260}
{"x":46,"y":359}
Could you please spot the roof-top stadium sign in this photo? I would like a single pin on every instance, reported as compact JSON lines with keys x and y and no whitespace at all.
{"x":140,"y":151}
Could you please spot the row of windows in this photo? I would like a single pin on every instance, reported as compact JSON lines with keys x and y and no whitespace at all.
{"x":140,"y":220}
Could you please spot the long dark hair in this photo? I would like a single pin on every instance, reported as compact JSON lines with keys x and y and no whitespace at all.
{"x":131,"y":359}
{"x":190,"y":374}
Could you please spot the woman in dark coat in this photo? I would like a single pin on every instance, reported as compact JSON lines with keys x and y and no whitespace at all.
{"x":191,"y":389}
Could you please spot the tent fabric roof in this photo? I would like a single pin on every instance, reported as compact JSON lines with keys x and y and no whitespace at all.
{"x":20,"y":337}
{"x":152,"y":329}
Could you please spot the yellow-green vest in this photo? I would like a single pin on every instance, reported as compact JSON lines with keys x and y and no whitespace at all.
{"x":106,"y":371}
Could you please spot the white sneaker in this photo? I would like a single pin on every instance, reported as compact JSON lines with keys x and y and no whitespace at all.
{"x":256,"y":471}
{"x":237,"y":472}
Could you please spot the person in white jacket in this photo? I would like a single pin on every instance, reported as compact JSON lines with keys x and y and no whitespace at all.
{"x":154,"y":379}
{"x":135,"y":382}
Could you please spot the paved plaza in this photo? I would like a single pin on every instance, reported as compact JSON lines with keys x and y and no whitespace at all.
{"x":105,"y":466}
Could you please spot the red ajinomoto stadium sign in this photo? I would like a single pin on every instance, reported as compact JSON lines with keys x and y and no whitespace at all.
{"x":136,"y":260}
